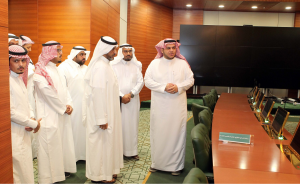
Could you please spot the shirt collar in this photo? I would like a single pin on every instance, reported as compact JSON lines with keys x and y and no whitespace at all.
{"x":13,"y":74}
{"x":104,"y":59}
{"x":51,"y":64}
{"x":125,"y":62}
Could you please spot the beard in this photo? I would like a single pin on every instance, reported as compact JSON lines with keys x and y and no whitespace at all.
{"x":81,"y":62}
{"x":167,"y":57}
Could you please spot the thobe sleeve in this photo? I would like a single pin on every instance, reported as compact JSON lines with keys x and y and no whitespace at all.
{"x":188,"y":82}
{"x":151,"y":83}
{"x":69,"y":99}
{"x":140,"y":83}
{"x":99,"y":97}
{"x":51,"y":97}
{"x":19,"y":118}
{"x":31,"y":111}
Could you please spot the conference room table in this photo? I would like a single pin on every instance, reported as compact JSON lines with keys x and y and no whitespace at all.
{"x":258,"y":162}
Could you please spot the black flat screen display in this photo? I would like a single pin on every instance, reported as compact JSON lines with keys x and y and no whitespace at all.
{"x":295,"y":144}
{"x":260,"y":97}
{"x":267,"y":108}
{"x":238,"y":56}
{"x":279,"y":119}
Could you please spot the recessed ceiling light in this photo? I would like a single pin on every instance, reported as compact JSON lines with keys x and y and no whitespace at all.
{"x":254,"y":7}
{"x":188,"y":5}
{"x":221,"y":6}
{"x":288,"y":8}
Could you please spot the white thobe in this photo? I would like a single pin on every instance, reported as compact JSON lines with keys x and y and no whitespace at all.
{"x":168,"y":112}
{"x":30,"y":90}
{"x":130,"y":79}
{"x":74,"y":74}
{"x":20,"y":113}
{"x":104,"y":154}
{"x":56,"y":153}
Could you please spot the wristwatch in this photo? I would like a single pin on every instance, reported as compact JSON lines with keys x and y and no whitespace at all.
{"x":132,"y":95}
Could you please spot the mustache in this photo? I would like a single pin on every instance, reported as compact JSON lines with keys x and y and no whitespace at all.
{"x":20,"y":68}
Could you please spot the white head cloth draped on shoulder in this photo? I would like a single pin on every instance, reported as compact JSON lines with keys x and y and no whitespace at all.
{"x":121,"y":56}
{"x":104,"y":46}
{"x":162,"y":45}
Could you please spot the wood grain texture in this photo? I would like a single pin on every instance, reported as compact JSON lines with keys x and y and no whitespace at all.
{"x":114,"y":4}
{"x":99,"y":20}
{"x":64,"y":21}
{"x":3,"y":13}
{"x":6,"y":171}
{"x":23,"y":20}
{"x":113,"y":24}
{"x":297,"y":19}
{"x":147,"y":24}
{"x":4,"y":81}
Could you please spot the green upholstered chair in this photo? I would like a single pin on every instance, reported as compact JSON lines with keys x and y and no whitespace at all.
{"x":195,"y":176}
{"x":202,"y":150}
{"x":215,"y":94}
{"x":196,"y":108}
{"x":209,"y":101}
{"x":205,"y":117}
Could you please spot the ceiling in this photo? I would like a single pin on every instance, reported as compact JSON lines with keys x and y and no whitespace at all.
{"x":233,"y":5}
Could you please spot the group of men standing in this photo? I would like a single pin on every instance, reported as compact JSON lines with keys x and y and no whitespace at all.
{"x":92,"y":112}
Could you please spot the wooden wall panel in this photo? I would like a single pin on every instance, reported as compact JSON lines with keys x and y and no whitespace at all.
{"x":115,"y":4}
{"x":148,"y":23}
{"x":187,"y":17}
{"x":67,"y":22}
{"x":297,"y":19}
{"x":6,"y":171}
{"x":99,"y":20}
{"x":23,"y":21}
{"x":114,"y":24}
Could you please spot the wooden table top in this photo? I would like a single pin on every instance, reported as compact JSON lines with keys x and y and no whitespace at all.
{"x":260,"y":161}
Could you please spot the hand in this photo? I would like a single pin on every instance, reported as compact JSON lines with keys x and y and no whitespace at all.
{"x":29,"y":129}
{"x":168,"y":86}
{"x":104,"y":127}
{"x":33,"y":119}
{"x":38,"y":126}
{"x":126,"y":98}
{"x":69,"y":110}
{"x":172,"y":89}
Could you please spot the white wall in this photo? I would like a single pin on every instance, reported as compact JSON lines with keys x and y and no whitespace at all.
{"x":248,"y":18}
{"x":123,"y":21}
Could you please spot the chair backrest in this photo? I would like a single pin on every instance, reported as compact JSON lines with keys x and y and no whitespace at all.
{"x":209,"y":101}
{"x":214,"y":92}
{"x":202,"y":148}
{"x":195,"y":176}
{"x":205,"y":117}
{"x":196,"y":108}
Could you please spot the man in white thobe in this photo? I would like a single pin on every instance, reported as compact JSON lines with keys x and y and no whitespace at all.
{"x":101,"y":109}
{"x":26,"y":42}
{"x":22,"y":121}
{"x":56,"y":155}
{"x":130,"y":78}
{"x":74,"y":70}
{"x":168,"y":77}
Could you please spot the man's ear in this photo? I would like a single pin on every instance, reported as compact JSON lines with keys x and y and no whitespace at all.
{"x":162,"y":50}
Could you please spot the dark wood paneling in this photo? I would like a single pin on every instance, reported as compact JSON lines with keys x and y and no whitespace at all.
{"x":261,"y":6}
{"x":138,"y":35}
{"x":138,"y":12}
{"x":297,"y":19}
{"x":6,"y":171}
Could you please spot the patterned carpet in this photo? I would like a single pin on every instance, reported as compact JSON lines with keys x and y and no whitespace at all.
{"x":133,"y":171}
